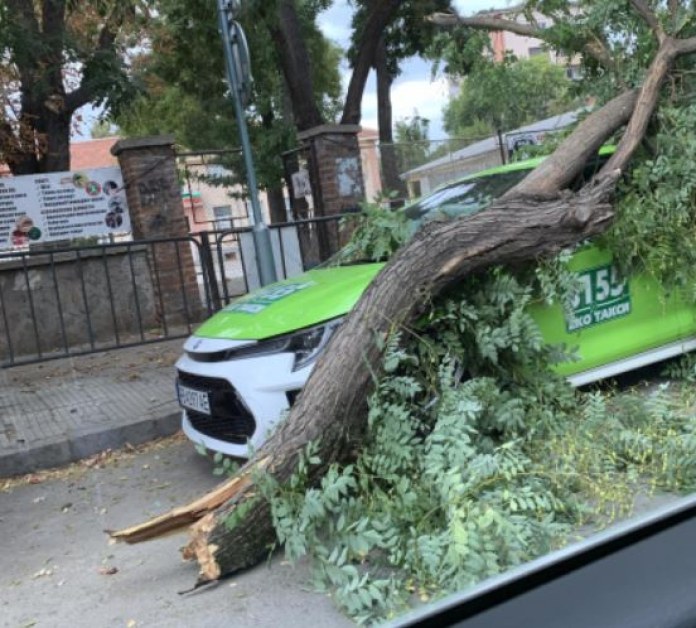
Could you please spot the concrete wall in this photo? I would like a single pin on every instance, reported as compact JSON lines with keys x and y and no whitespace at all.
{"x":82,"y":292}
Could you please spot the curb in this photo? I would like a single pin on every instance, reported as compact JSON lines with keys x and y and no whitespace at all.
{"x":84,"y":442}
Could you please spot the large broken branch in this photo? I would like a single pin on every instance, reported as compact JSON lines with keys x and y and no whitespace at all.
{"x":593,"y":47}
{"x":554,"y":174}
{"x":537,"y":219}
{"x":331,"y":408}
{"x":184,"y":516}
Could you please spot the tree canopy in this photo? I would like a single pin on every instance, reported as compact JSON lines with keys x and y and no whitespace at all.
{"x":57,"y":56}
{"x":186,"y":95}
{"x":505,"y":95}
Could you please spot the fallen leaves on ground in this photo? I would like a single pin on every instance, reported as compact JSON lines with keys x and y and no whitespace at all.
{"x":98,"y":461}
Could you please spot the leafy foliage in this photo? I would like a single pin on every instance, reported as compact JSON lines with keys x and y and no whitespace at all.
{"x":656,"y":214}
{"x":508,"y":94}
{"x":477,"y":458}
{"x":377,"y":234}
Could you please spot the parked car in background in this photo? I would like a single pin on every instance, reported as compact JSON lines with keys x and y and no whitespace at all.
{"x":244,"y":367}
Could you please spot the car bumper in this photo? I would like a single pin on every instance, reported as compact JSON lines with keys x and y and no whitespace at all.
{"x":247,"y":396}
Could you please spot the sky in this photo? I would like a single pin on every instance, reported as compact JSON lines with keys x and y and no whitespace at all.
{"x":413,"y":92}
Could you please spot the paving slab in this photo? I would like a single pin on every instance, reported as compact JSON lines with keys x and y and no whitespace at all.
{"x":55,"y":412}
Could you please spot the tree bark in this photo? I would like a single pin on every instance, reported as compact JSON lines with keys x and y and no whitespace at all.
{"x":56,"y":157}
{"x":391,"y":181}
{"x":378,"y":18}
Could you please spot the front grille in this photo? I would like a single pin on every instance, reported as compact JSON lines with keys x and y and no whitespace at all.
{"x":229,"y":420}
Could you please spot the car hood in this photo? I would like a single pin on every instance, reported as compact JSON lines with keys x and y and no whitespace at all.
{"x":308,"y":299}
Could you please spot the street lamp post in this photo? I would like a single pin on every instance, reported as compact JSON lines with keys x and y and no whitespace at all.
{"x":239,"y":77}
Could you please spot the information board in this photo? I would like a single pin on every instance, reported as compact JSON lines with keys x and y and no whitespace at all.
{"x":61,"y":206}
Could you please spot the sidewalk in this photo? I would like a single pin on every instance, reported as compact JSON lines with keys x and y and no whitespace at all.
{"x":59,"y":411}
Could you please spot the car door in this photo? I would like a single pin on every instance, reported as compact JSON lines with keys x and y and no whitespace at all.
{"x":613,"y":318}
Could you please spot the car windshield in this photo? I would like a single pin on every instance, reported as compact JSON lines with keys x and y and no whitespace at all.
{"x":464,"y":197}
{"x":456,"y":199}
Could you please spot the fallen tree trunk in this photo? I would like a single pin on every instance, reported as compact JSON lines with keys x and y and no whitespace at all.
{"x":591,"y":137}
{"x":525,"y":224}
{"x":532,"y":220}
{"x":331,"y":409}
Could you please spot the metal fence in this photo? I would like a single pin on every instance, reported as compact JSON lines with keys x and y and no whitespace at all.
{"x":406,"y":170}
{"x":297,"y":246}
{"x":71,"y":301}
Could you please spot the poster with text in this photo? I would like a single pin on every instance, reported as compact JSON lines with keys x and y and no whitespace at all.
{"x":62,"y":206}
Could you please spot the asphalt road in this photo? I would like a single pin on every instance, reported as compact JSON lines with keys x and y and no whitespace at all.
{"x":59,"y":569}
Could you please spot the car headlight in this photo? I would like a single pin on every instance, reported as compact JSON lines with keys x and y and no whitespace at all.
{"x":306,"y":344}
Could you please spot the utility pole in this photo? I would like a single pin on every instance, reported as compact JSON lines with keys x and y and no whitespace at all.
{"x":239,"y":77}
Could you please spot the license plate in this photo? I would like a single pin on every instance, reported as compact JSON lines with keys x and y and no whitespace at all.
{"x":193,"y":399}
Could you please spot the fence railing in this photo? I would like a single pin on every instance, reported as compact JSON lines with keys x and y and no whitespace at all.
{"x":72,"y":301}
{"x":78,"y":300}
{"x":297,"y":246}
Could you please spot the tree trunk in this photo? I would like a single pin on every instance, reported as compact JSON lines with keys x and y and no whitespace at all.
{"x":378,"y":18}
{"x":276,"y":205}
{"x":56,"y":157}
{"x":332,"y":404}
{"x":391,"y":182}
{"x":43,"y":147}
{"x":294,"y":59}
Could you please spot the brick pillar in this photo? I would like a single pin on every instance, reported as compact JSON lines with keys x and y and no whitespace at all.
{"x":148,"y":165}
{"x":336,"y":175}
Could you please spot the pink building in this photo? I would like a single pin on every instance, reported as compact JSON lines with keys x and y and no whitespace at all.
{"x":526,"y":47}
{"x":368,"y":140}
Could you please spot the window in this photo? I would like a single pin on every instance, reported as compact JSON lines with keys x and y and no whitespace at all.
{"x":223,"y":217}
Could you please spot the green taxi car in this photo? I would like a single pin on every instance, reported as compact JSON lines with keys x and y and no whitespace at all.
{"x":243,"y":367}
